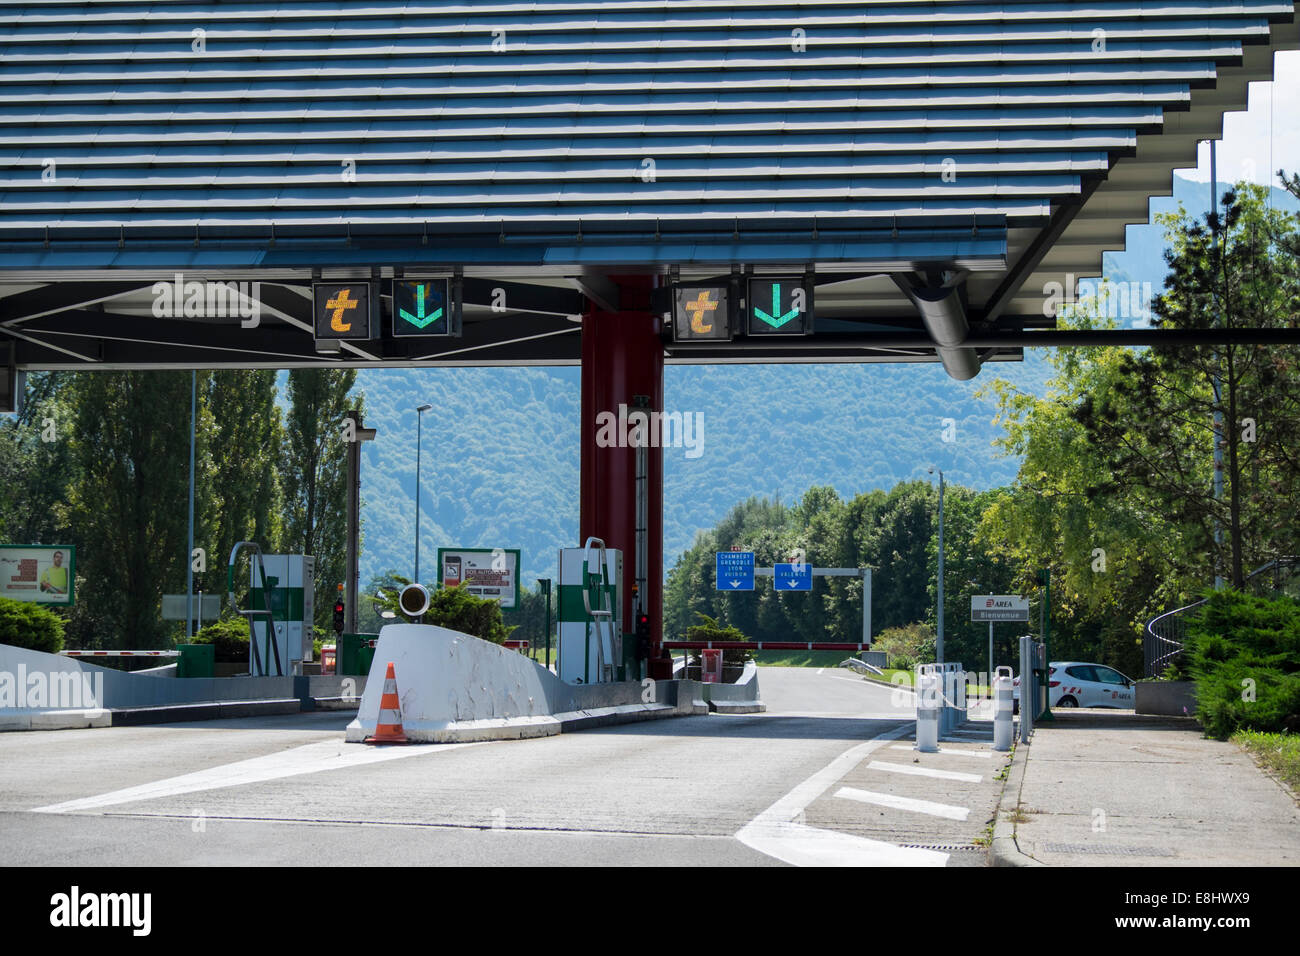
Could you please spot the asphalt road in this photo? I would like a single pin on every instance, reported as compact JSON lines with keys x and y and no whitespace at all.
{"x":719,"y":790}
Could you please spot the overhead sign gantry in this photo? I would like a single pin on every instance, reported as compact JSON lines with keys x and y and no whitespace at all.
{"x":921,"y":173}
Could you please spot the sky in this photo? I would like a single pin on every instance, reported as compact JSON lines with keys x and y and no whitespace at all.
{"x":1263,"y":138}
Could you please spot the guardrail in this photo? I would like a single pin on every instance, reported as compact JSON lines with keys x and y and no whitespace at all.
{"x":1166,"y":634}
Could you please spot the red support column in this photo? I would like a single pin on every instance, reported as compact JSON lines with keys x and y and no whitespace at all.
{"x":623,"y":356}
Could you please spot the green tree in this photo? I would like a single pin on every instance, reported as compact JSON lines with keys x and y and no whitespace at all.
{"x":129,"y":440}
{"x":1155,"y":430}
{"x":248,"y":435}
{"x":1115,"y":558}
{"x":36,"y":462}
{"x":313,"y":472}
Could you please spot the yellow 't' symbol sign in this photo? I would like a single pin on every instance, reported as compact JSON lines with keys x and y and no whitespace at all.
{"x":340,"y":303}
{"x":697,"y":309}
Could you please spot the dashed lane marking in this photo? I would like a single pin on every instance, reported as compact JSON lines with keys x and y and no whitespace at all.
{"x":895,"y":802}
{"x":948,"y":750}
{"x":776,"y":832}
{"x":925,"y":771}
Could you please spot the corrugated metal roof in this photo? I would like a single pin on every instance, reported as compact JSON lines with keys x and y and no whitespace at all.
{"x":119,"y":115}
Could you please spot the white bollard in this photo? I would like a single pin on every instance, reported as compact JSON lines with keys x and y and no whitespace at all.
{"x":1002,"y":708}
{"x":928,"y":708}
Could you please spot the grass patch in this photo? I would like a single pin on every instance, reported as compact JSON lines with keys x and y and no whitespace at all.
{"x":1280,"y":753}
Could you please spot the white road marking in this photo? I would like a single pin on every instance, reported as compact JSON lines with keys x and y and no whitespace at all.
{"x":310,"y":758}
{"x":821,"y":671}
{"x":895,"y":802}
{"x":775,"y":832}
{"x":853,"y":680}
{"x":949,"y":750}
{"x":925,"y":771}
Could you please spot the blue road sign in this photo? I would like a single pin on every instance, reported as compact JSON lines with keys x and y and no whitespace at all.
{"x":792,"y":577}
{"x":734,"y":570}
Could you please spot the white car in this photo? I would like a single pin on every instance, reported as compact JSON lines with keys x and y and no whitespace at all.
{"x":1076,"y":684}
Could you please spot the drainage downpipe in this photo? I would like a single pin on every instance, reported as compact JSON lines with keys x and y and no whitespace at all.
{"x":945,"y":320}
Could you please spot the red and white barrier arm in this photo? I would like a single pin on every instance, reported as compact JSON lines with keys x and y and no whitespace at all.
{"x":120,"y":653}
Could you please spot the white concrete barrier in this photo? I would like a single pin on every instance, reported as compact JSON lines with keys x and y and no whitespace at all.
{"x":453,"y":687}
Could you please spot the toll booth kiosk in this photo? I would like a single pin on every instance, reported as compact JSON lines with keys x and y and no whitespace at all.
{"x":291,"y":582}
{"x":589,"y":616}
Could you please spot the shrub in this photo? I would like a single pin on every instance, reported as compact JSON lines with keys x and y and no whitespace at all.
{"x":1244,"y":654}
{"x":711,"y":630}
{"x":229,"y":638}
{"x":24,"y":624}
{"x":906,"y":646}
{"x":457,"y":609}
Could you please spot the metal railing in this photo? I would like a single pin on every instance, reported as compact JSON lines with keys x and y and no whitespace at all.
{"x":1166,"y":634}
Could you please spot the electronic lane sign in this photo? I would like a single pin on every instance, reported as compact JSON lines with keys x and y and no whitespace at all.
{"x":702,"y":313}
{"x":792,"y":577}
{"x":422,"y":307}
{"x":999,"y":607}
{"x":734,"y":570}
{"x":779,"y":306}
{"x":341,"y":310}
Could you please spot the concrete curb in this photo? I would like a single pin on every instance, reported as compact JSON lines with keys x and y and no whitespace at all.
{"x":55,"y":720}
{"x":737,"y":707}
{"x":884,"y":683}
{"x":1004,"y":850}
{"x":217,"y":710}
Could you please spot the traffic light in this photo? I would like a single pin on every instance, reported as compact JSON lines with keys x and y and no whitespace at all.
{"x":338,"y":611}
{"x":642,"y":636}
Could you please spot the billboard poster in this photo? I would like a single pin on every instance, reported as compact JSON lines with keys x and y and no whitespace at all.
{"x":42,"y":574}
{"x":485,"y":572}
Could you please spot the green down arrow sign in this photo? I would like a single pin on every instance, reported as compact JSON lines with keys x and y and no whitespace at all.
{"x":775,"y":319}
{"x":420,"y":319}
{"x":789,"y":311}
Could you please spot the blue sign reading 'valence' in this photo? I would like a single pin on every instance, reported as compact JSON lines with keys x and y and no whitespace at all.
{"x":792,"y":577}
{"x":734,"y":570}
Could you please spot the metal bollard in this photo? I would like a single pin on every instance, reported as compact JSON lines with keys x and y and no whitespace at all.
{"x":928,"y":708}
{"x":1002,"y":706}
{"x":959,"y":696}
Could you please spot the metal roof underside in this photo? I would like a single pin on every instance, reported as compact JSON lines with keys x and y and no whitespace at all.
{"x":543,"y":146}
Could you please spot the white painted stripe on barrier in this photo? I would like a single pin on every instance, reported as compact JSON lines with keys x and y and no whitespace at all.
{"x":310,"y":758}
{"x":925,"y":771}
{"x":895,"y":802}
{"x":948,"y":750}
{"x":774,"y":832}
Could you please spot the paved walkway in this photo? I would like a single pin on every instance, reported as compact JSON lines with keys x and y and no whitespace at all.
{"x":1106,"y":788}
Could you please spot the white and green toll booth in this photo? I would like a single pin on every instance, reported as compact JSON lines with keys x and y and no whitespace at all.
{"x":291,"y":580}
{"x":589,"y":616}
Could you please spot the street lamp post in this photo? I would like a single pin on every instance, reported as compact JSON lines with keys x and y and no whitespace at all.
{"x":419,"y":419}
{"x":938,"y":637}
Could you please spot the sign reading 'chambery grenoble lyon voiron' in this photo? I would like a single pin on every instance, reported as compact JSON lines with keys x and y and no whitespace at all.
{"x":999,"y":607}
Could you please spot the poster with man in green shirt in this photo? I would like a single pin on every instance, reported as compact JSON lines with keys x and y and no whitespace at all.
{"x":38,"y":573}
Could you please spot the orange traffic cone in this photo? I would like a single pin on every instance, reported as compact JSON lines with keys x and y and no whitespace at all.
{"x":388,"y":729}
